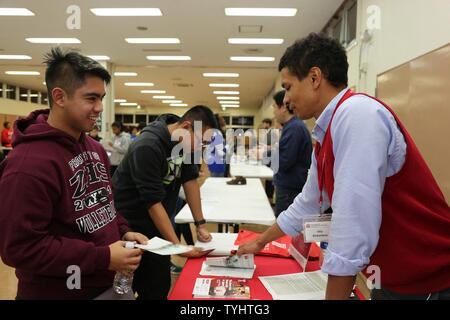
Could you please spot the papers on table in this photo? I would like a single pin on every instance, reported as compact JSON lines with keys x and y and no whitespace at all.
{"x":226,"y":272}
{"x":163,"y":247}
{"x":232,"y":266}
{"x":297,"y":286}
{"x":246,"y":261}
{"x":222,"y":243}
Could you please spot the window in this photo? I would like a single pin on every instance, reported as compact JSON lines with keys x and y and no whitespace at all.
{"x":118,"y":117}
{"x":242,"y":121}
{"x":152,"y":117}
{"x":141,"y":118}
{"x":10,"y":92}
{"x":342,"y":26}
{"x":44,"y":98}
{"x":34,"y":96}
{"x":23,"y":94}
{"x":127,"y":118}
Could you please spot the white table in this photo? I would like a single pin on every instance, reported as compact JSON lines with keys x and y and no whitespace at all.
{"x":250,"y":169}
{"x":232,"y":204}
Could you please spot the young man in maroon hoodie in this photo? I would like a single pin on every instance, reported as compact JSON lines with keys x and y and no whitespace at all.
{"x":57,"y":218}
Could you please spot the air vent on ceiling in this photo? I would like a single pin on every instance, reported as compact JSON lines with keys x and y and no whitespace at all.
{"x":253,"y":51}
{"x":250,"y":28}
{"x":183,"y":85}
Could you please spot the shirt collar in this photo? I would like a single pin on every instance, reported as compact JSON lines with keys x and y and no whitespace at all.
{"x":324,"y":119}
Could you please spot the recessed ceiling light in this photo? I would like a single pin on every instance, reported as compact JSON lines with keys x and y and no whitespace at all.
{"x":254,"y":41}
{"x":230,"y":106}
{"x":120,"y":100}
{"x":44,"y":83}
{"x":99,"y":58}
{"x":226,"y":92}
{"x":224,"y":85}
{"x":169,"y":58}
{"x":227,"y":98}
{"x":228,"y":102}
{"x":163,"y":97}
{"x":126,"y":12}
{"x":125,"y":74}
{"x":153,"y":91}
{"x":172,"y":101}
{"x":23,"y":73}
{"x":53,"y":40}
{"x":129,"y":104}
{"x":178,"y":104}
{"x":14,"y":57}
{"x":139,"y":84}
{"x":248,"y":58}
{"x":153,"y":40}
{"x":221,"y":75}
{"x":261,"y":12}
{"x":138,"y":107}
{"x":15,"y":12}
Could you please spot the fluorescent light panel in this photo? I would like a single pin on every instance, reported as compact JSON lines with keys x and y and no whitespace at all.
{"x":228,"y":102}
{"x":129,"y":104}
{"x":15,"y":12}
{"x":139,"y":84}
{"x":100,"y":58}
{"x":169,"y":58}
{"x":153,"y":91}
{"x":224,"y":85}
{"x":261,"y":12}
{"x":120,"y":100}
{"x":221,"y":75}
{"x":249,"y":58}
{"x":227,"y":98}
{"x":163,"y":97}
{"x":172,"y":101}
{"x":178,"y":104}
{"x":230,"y":106}
{"x":153,"y":40}
{"x":126,"y":12}
{"x":14,"y":57}
{"x":23,"y":73}
{"x":54,"y":40}
{"x":226,"y":92}
{"x":255,"y":41}
{"x":125,"y":74}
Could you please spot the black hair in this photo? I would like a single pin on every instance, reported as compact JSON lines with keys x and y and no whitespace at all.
{"x":321,"y":51}
{"x":200,"y":113}
{"x":279,"y":100}
{"x":5,"y":124}
{"x":267,"y":120}
{"x":117,"y":124}
{"x":68,"y":70}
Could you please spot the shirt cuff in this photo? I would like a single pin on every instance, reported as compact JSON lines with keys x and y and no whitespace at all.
{"x":287,"y":226}
{"x":337,"y":265}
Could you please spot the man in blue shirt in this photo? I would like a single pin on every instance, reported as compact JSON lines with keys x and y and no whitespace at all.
{"x":295,"y":150}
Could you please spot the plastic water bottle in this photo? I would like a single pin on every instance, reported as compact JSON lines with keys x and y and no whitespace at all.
{"x":123,"y":282}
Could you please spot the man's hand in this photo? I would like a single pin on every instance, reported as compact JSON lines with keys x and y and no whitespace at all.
{"x":250,"y":247}
{"x":123,"y":259}
{"x":203,"y":234}
{"x":195,"y":253}
{"x":135,"y":236}
{"x":110,"y":144}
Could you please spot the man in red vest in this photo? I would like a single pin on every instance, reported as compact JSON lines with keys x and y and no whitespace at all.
{"x":387,"y":209}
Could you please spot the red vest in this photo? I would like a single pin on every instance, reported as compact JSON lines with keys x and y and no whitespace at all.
{"x":413,"y":250}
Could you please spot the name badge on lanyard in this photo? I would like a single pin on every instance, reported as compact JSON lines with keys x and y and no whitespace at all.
{"x":316,"y":228}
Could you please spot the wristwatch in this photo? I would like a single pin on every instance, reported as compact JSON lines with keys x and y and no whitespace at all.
{"x":199,"y":222}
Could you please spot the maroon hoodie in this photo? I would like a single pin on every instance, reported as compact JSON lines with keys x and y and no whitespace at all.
{"x":57,"y":211}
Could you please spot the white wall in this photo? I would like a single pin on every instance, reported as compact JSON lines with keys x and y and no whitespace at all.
{"x":409,"y":28}
{"x":18,"y":108}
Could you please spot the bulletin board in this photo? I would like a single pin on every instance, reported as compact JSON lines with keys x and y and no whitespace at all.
{"x":419,"y":92}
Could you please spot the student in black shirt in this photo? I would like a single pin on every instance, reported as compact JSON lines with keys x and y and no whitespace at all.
{"x":146,"y":187}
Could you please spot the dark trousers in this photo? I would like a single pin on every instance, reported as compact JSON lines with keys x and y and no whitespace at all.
{"x":284,"y":198}
{"x":384,"y":294}
{"x":113,"y":169}
{"x":152,"y":279}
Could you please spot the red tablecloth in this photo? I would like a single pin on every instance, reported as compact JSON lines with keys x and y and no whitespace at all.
{"x":265,"y":266}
